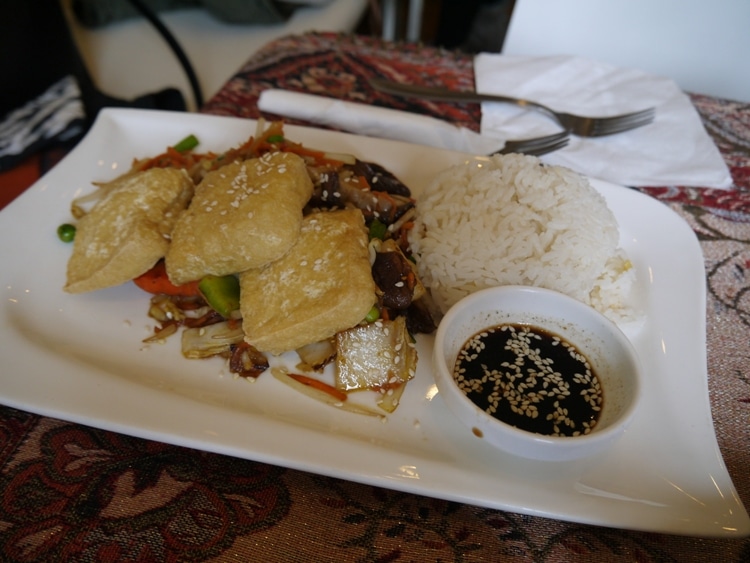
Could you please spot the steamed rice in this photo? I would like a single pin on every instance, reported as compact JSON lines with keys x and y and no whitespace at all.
{"x":513,"y":221}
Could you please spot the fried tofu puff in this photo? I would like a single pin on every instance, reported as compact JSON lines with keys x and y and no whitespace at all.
{"x":128,"y":230}
{"x":321,"y":286}
{"x":244,"y":215}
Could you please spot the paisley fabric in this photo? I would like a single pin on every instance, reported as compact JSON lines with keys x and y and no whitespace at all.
{"x":78,"y":494}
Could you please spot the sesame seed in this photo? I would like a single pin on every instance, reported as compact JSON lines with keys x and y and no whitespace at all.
{"x":526,"y":387}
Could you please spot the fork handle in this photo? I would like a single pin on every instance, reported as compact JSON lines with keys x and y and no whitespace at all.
{"x":444,"y":94}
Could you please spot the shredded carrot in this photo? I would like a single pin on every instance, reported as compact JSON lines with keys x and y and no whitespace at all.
{"x":411,"y":279}
{"x":170,"y":159}
{"x":320,"y":385}
{"x":248,"y":147}
{"x":318,"y":156}
{"x":403,"y":235}
{"x":364,"y":183}
{"x":156,"y":281}
{"x":176,"y":156}
{"x":275,"y":129}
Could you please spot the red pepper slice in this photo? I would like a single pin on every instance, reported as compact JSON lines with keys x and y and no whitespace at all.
{"x":156,"y":281}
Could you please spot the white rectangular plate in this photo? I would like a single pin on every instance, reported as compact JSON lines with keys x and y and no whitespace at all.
{"x":80,"y":358}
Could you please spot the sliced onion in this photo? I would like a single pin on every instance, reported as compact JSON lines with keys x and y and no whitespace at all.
{"x":196,"y":313}
{"x":162,"y":333}
{"x":247,"y":361}
{"x":340,"y":156}
{"x":322,"y":396}
{"x":401,"y":221}
{"x":164,"y":309}
{"x":210,"y":340}
{"x":317,"y":355}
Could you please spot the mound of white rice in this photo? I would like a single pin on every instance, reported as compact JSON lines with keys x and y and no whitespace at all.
{"x":512,"y":220}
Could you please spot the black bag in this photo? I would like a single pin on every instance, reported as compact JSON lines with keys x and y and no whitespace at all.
{"x":47,"y":96}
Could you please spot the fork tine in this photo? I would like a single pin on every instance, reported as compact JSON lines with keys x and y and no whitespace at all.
{"x":619,"y":126}
{"x":640,"y":116}
{"x":542,"y":141}
{"x":600,"y":126}
{"x":548,"y":148}
{"x":536,"y":146}
{"x":633,"y":115}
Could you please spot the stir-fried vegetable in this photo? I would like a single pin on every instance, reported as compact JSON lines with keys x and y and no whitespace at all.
{"x":377,"y":355}
{"x":373,"y":315}
{"x":211,"y":340}
{"x":187,"y":144}
{"x":316,"y":356}
{"x":378,"y":229}
{"x":396,"y":276}
{"x":246,"y":361}
{"x":222,"y":293}
{"x":157,"y":282}
{"x":315,"y":391}
{"x":66,"y":232}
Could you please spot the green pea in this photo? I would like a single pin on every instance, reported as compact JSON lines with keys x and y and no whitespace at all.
{"x":275,"y":138}
{"x":66,"y":232}
{"x":373,"y":315}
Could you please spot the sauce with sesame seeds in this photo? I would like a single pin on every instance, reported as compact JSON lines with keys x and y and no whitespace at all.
{"x":530,"y":378}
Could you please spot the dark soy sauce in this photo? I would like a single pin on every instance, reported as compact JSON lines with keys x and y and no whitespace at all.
{"x":530,"y":378}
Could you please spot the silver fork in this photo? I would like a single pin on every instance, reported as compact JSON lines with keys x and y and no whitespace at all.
{"x":536,"y":146}
{"x":575,"y":124}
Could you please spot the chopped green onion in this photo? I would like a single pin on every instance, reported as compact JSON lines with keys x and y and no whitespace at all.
{"x":188,"y":143}
{"x":66,"y":232}
{"x":378,"y":229}
{"x":275,"y":138}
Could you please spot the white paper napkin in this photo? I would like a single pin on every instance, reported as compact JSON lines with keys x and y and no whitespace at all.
{"x":674,"y":150}
{"x":378,"y":122}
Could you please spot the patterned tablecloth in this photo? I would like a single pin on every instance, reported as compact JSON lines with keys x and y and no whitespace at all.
{"x":74,"y":493}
